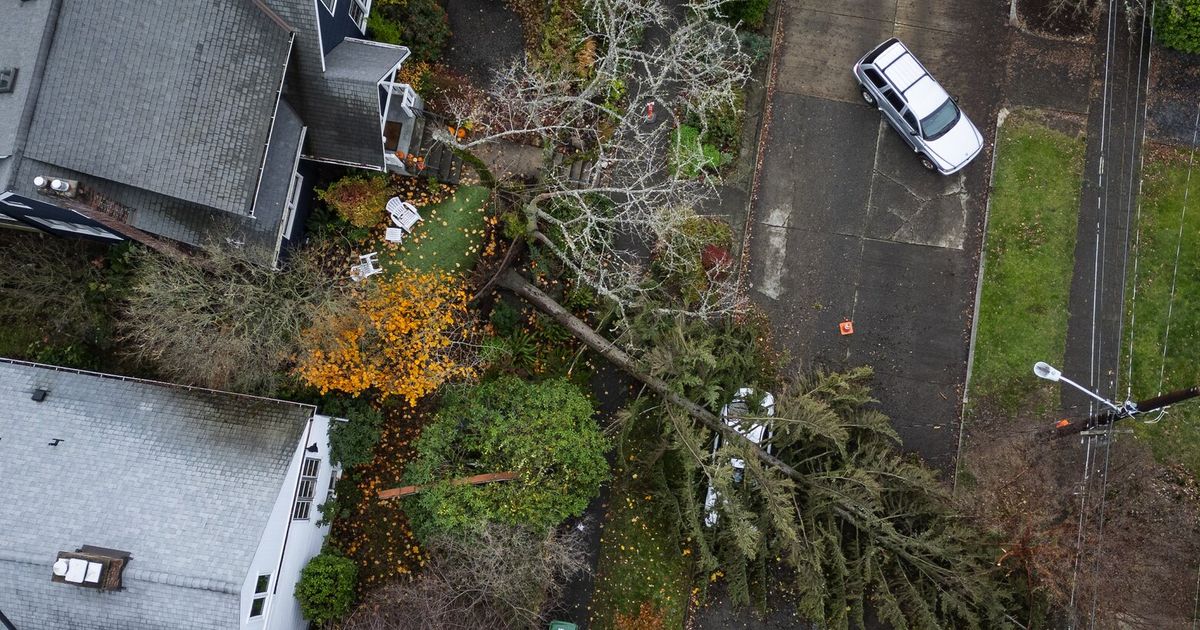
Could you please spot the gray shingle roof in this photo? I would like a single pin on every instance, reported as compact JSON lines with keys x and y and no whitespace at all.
{"x":173,"y":97}
{"x":183,"y":479}
{"x":22,"y":32}
{"x":341,"y":109}
{"x":344,"y":121}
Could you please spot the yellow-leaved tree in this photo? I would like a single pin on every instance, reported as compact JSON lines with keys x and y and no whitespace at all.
{"x":404,"y":337}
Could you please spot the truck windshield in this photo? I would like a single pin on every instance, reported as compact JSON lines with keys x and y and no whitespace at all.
{"x":940,"y":121}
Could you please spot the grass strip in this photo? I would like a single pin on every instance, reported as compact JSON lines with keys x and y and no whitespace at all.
{"x":1028,"y":260}
{"x":1176,"y":439}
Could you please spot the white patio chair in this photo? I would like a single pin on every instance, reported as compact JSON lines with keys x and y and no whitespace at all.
{"x":368,"y":265}
{"x":394,"y":234}
{"x":404,"y":214}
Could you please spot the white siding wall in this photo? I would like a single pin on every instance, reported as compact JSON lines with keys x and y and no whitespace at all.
{"x":293,"y":540}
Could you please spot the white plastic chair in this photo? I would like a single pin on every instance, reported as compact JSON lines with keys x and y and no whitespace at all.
{"x":404,"y":214}
{"x":368,"y":265}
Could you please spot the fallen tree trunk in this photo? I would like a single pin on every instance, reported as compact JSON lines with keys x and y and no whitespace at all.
{"x":516,"y":283}
{"x":396,"y":493}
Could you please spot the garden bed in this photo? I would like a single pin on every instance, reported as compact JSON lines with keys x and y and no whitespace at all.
{"x":375,"y":534}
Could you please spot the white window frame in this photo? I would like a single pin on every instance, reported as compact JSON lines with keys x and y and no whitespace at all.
{"x":306,"y":489}
{"x":7,"y":219}
{"x":331,"y":493}
{"x":77,"y":228}
{"x":260,"y":596}
{"x":364,"y":6}
{"x":330,"y":5}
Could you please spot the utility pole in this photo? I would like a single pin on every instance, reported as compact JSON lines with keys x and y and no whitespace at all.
{"x":1109,"y":416}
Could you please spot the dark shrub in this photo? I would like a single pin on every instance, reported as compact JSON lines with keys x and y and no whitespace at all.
{"x":325,"y":591}
{"x":1177,"y":24}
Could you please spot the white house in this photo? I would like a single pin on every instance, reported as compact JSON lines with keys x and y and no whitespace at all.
{"x":129,"y":503}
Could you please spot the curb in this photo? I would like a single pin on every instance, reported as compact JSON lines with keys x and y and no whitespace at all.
{"x":764,"y":133}
{"x":987,"y":211}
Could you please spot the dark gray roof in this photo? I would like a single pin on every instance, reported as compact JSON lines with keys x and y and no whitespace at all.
{"x":23,"y":26}
{"x":169,"y":217}
{"x":183,"y":479}
{"x":341,"y":110}
{"x":172,"y":97}
{"x":345,"y":123}
{"x":278,"y":169}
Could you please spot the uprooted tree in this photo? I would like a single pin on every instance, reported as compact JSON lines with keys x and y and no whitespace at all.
{"x":602,"y":227}
{"x":852,"y":518}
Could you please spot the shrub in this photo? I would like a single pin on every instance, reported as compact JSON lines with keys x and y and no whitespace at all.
{"x":357,"y":199}
{"x":1177,"y":24}
{"x":755,"y":45}
{"x":421,"y":25}
{"x":690,"y":155}
{"x":325,"y":591}
{"x":543,"y":432}
{"x":752,"y":13}
{"x":352,"y":443}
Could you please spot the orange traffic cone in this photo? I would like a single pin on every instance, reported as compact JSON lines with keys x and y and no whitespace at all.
{"x":846,"y":327}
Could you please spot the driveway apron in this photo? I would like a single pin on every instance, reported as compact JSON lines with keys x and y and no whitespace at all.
{"x":848,"y":225}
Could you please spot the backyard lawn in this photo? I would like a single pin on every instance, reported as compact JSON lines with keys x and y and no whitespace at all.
{"x":1027,"y":262}
{"x":1165,"y":189}
{"x":449,"y":237}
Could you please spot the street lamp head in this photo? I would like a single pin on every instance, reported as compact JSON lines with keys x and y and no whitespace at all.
{"x":1044,"y":370}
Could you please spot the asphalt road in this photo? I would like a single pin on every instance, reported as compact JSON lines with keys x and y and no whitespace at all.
{"x":848,"y":225}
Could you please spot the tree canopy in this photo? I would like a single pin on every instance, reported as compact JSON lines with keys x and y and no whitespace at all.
{"x":544,"y":432}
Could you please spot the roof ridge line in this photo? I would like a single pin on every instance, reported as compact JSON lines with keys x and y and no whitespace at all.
{"x":119,"y":377}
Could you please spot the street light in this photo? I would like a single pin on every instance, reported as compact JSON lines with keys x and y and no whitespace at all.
{"x":1044,"y":370}
{"x":1129,"y":408}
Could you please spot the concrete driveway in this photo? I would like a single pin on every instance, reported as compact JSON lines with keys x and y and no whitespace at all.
{"x":848,"y":225}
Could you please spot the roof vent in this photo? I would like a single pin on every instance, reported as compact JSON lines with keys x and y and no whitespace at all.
{"x":93,"y":567}
{"x":41,"y":182}
{"x":8,"y":80}
{"x":39,"y":394}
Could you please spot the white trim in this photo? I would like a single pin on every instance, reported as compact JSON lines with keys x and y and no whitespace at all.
{"x":365,"y":7}
{"x":4,"y":199}
{"x":369,"y":167}
{"x":320,"y":39}
{"x":330,"y":5}
{"x":262,"y":169}
{"x":77,"y":228}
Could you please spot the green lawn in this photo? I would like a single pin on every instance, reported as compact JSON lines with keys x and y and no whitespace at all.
{"x":1028,"y":259}
{"x":448,"y":238}
{"x":1176,"y":439}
